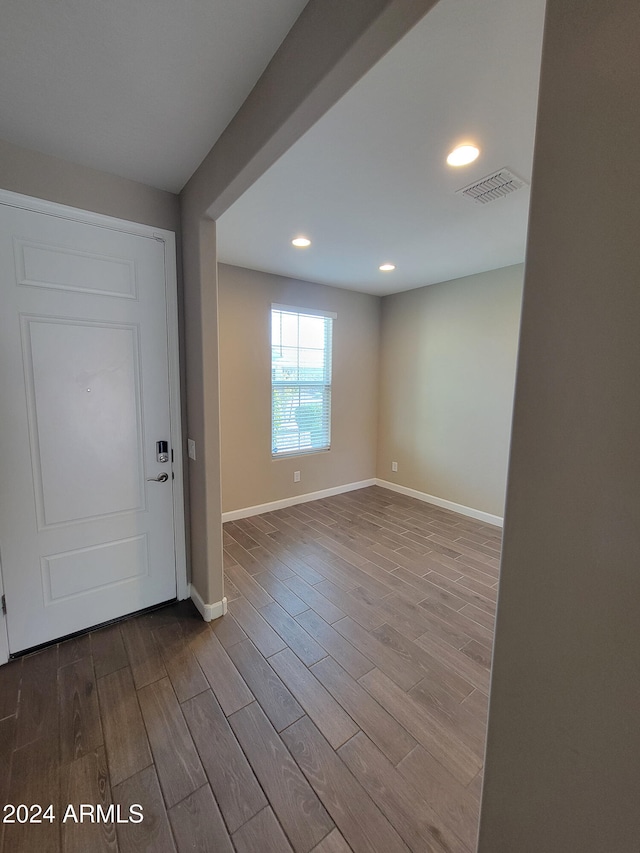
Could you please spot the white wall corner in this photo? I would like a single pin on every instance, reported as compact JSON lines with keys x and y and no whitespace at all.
{"x":208,"y":611}
{"x":469,"y":511}
{"x":247,"y":512}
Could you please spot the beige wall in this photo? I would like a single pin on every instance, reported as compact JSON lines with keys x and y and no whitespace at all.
{"x":249,"y":474}
{"x":331,"y":45}
{"x":41,"y":176}
{"x":447,"y":372}
{"x":563,"y":768}
{"x":203,"y":407}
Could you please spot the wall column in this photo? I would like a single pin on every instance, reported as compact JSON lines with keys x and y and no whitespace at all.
{"x":563,"y":768}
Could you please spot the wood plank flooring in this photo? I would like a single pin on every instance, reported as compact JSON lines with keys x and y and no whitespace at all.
{"x":339,"y":706}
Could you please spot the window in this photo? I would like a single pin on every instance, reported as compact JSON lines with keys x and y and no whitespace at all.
{"x":300,"y":380}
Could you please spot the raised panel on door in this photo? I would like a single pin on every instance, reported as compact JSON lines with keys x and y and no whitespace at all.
{"x":62,"y":267}
{"x":84,"y":396}
{"x":85,"y":419}
{"x":74,"y":573}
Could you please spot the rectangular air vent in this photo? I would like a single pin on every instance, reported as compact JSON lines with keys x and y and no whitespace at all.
{"x":493,"y":186}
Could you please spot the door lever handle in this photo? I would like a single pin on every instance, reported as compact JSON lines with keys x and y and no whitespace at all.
{"x":161,"y":478}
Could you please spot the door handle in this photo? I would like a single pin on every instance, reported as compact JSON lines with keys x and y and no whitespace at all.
{"x":161,"y":478}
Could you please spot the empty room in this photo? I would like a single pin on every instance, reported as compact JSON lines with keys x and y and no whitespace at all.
{"x":318,"y":454}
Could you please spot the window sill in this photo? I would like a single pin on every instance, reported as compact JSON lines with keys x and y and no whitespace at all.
{"x":292,"y":454}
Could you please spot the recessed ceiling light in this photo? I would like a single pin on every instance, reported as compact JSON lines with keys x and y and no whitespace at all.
{"x":462,"y":155}
{"x":387,"y":267}
{"x":301,"y":242}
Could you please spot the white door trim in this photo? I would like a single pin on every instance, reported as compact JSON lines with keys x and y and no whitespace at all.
{"x":171,"y":295}
{"x":4,"y":636}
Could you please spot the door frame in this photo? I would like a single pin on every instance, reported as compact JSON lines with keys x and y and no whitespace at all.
{"x":168,"y":238}
{"x":4,"y":636}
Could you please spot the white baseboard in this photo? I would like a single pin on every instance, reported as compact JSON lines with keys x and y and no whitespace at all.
{"x":247,"y":512}
{"x":208,"y":611}
{"x":478,"y":514}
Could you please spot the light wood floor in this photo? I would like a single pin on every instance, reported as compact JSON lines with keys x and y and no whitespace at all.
{"x":340,"y":705}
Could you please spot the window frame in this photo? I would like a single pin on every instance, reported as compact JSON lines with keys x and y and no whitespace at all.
{"x":325,"y":385}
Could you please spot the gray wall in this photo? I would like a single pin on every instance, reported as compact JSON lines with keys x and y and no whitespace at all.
{"x":41,"y":176}
{"x":249,"y":474}
{"x":447,"y":372}
{"x":563,"y":768}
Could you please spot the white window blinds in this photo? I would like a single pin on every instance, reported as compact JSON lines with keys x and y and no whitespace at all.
{"x":300,"y":380}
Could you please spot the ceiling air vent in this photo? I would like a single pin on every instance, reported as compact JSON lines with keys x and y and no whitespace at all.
{"x":493,"y":186}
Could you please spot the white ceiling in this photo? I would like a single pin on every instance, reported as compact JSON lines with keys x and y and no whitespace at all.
{"x":143,"y":89}
{"x":369,"y":184}
{"x":138,"y":88}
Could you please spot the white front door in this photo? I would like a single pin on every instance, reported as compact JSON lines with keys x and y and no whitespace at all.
{"x":86,"y":534}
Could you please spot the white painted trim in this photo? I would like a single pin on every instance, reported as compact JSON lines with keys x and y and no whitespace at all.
{"x":4,"y":642}
{"x":175,"y":414}
{"x":171,"y":295}
{"x":208,"y":611}
{"x":478,"y":514}
{"x":4,"y":636}
{"x":63,"y":211}
{"x":310,"y":312}
{"x":248,"y":511}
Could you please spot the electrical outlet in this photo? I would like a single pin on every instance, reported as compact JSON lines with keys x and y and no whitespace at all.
{"x":191,"y":448}
{"x":296,"y":476}
{"x":394,"y":466}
